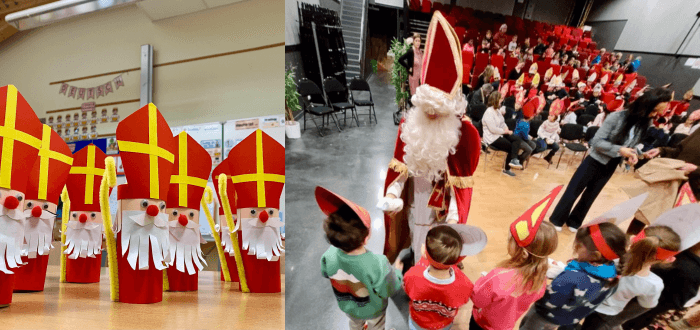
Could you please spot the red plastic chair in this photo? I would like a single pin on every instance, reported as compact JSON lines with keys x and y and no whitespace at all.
{"x":497,"y":62}
{"x":593,"y":45}
{"x":536,"y":57}
{"x":425,"y":7}
{"x":558,"y":30}
{"x":467,"y":63}
{"x":607,"y":97}
{"x":572,"y":42}
{"x":582,"y":44}
{"x":629,"y":77}
{"x":542,"y":67}
{"x":682,"y":107}
{"x":482,"y":60}
{"x":556,"y":69}
{"x":641,"y":81}
{"x":511,"y":62}
{"x":437,"y":6}
{"x":461,"y":32}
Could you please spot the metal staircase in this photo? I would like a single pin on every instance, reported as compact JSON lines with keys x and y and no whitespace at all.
{"x":418,"y":23}
{"x":353,"y":19}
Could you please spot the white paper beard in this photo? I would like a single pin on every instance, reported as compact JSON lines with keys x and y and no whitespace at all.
{"x":262,"y":240}
{"x":226,"y":242}
{"x":428,"y":142}
{"x":138,"y":230}
{"x":185,"y":247}
{"x":38,"y":234}
{"x":11,"y":239}
{"x":83,"y":240}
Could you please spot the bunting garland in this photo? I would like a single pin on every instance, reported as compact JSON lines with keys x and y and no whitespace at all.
{"x":80,"y":93}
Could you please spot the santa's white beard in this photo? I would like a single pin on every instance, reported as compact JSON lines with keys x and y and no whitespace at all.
{"x":185,"y":249}
{"x":138,"y":229}
{"x":38,"y":234}
{"x":226,"y":242}
{"x":83,"y":240}
{"x":262,"y":240}
{"x":11,"y":239}
{"x":428,"y":142}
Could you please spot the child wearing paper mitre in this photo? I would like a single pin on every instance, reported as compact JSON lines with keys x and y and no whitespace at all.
{"x":362,"y":281}
{"x":653,"y":246}
{"x":503,"y":295}
{"x":437,"y":289}
{"x":584,"y":284}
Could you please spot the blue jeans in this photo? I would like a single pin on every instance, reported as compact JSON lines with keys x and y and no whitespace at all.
{"x":413,"y":326}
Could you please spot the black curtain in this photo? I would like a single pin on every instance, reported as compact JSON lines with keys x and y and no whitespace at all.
{"x":331,"y":46}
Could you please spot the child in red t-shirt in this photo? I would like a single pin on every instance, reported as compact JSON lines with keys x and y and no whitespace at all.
{"x":437,"y":289}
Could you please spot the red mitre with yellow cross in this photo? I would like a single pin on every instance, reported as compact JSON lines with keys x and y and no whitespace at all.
{"x":223,"y":169}
{"x":147,"y":148}
{"x":524,"y":228}
{"x":190,"y":174}
{"x":442,"y":62}
{"x":20,"y":136}
{"x":257,"y":171}
{"x":685,"y":196}
{"x":50,"y":170}
{"x":84,"y":179}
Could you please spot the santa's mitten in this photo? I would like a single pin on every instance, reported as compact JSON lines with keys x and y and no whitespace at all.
{"x":387,"y":204}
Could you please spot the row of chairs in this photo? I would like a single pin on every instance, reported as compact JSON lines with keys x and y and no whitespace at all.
{"x":333,"y":99}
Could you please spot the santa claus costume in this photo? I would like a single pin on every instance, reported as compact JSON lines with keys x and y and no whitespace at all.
{"x":84,"y":228}
{"x":437,"y":150}
{"x":46,"y":180}
{"x":258,"y":178}
{"x":147,"y":148}
{"x":192,"y":168}
{"x":223,"y":229}
{"x":21,"y":133}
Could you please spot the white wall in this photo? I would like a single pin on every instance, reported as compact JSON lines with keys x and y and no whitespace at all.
{"x":291,"y":21}
{"x":217,"y":89}
{"x":652,"y":25}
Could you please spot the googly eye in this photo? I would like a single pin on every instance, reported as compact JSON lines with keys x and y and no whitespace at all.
{"x":30,"y":205}
{"x":75,"y":215}
{"x":271,"y":212}
{"x":144,"y":203}
{"x":46,"y":206}
{"x":174,"y":213}
{"x":93,"y":215}
{"x":20,"y":198}
{"x":252,"y":212}
{"x":162,"y":206}
{"x":191,"y":215}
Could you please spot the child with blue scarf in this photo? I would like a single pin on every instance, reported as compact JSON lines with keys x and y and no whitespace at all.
{"x":585,"y":282}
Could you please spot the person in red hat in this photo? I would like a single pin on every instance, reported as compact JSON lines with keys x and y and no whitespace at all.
{"x":437,"y":148}
{"x":258,"y":178}
{"x":187,"y":184}
{"x":21,"y":140}
{"x":147,"y":148}
{"x":362,"y":281}
{"x":46,"y":180}
{"x":84,"y":228}
{"x":222,"y":228}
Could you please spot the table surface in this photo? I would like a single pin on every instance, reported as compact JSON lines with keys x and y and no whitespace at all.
{"x":217,"y":305}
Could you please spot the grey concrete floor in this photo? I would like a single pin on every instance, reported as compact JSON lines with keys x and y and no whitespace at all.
{"x":352,"y":163}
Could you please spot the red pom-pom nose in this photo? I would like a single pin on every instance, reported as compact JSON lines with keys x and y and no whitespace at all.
{"x":82,"y":218}
{"x":182,"y":219}
{"x":264,"y":216}
{"x":36,"y":211}
{"x":152,"y":210}
{"x":11,"y":202}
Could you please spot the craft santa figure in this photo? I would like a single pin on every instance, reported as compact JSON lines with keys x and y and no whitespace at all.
{"x":258,"y":178}
{"x":147,"y":148}
{"x":46,"y":180}
{"x":190,"y":175}
{"x":84,"y":228}
{"x":21,"y":133}
{"x":228,"y":265}
{"x":437,"y":150}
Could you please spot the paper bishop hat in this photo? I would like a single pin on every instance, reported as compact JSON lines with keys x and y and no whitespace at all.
{"x":147,"y":148}
{"x":442,"y":62}
{"x":685,"y":221}
{"x":548,"y":74}
{"x":618,"y":80}
{"x":530,"y":108}
{"x":257,"y":171}
{"x":84,"y":179}
{"x":598,"y":88}
{"x":536,"y":80}
{"x":50,"y":171}
{"x":474,"y":240}
{"x":533,"y":68}
{"x":21,"y":133}
{"x":630,"y":84}
{"x":521,"y":80}
{"x":330,"y":202}
{"x":557,"y":107}
{"x":223,"y":169}
{"x":604,"y":78}
{"x":524,"y":228}
{"x":685,"y":196}
{"x":190,"y":174}
{"x":592,"y":77}
{"x":574,"y":74}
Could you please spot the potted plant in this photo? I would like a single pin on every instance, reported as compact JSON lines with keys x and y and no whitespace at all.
{"x":399,"y":75}
{"x":291,"y":104}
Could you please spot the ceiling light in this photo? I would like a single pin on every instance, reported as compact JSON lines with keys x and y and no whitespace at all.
{"x":59,"y":10}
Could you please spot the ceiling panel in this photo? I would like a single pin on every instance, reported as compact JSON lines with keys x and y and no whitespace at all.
{"x":216,"y":3}
{"x":161,"y":9}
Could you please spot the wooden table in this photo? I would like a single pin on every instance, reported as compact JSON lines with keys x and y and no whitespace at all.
{"x":217,"y":305}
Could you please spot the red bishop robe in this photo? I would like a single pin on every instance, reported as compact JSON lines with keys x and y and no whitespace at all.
{"x":461,"y":165}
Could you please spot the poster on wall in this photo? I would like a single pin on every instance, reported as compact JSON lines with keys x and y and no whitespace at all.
{"x":237,"y":130}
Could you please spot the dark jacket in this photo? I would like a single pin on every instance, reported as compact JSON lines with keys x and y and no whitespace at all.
{"x":407,"y":61}
{"x":514,"y":74}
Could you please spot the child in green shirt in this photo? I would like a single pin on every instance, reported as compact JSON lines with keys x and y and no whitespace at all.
{"x":362,"y":281}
